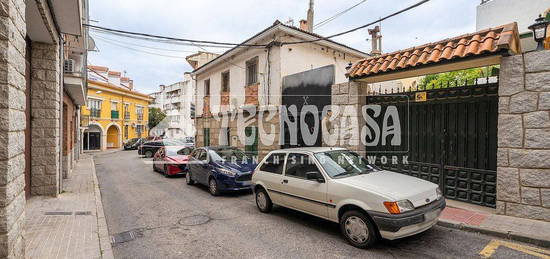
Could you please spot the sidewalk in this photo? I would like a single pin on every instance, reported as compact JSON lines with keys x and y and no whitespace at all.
{"x":73,"y":224}
{"x":484,"y":221}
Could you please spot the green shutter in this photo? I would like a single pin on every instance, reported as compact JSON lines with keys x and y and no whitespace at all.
{"x":252,"y":149}
{"x":206,"y":132}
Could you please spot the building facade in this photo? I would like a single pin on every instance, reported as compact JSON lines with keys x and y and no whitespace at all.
{"x":177,"y":101}
{"x":257,"y":77}
{"x":38,"y":97}
{"x":114,"y":112}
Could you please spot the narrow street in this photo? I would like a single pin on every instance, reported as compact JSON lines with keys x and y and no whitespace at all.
{"x":169,"y":219}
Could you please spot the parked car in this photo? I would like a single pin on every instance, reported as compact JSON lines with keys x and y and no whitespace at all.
{"x":171,"y":160}
{"x":133,"y":144}
{"x":148,"y":149}
{"x":339,"y":185}
{"x":220,"y":168}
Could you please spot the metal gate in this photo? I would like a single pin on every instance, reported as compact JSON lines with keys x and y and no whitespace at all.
{"x":449,"y":136}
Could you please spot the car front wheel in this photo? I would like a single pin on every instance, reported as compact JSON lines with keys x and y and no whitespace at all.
{"x":213,"y":187}
{"x":263,"y":201}
{"x":148,"y":153}
{"x":358,"y":229}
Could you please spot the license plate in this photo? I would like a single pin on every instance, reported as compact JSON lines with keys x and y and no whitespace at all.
{"x":429,"y":216}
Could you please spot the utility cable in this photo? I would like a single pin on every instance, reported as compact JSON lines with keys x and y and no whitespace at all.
{"x":332,"y":18}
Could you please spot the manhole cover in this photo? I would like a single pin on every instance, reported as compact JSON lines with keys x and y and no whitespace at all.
{"x":194,"y":220}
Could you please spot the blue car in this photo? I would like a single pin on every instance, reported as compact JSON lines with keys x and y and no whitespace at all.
{"x":221,"y":168}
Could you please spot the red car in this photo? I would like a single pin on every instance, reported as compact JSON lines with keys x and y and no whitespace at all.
{"x":171,"y":160}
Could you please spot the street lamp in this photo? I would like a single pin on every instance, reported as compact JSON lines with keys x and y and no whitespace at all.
{"x":539,"y":31}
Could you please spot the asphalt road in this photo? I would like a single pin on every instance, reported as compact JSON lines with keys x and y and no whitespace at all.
{"x":156,"y":217}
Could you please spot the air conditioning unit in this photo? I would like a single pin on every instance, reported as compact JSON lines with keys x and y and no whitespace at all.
{"x":69,"y":66}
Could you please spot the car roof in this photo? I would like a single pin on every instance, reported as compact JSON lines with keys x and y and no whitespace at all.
{"x":308,"y":149}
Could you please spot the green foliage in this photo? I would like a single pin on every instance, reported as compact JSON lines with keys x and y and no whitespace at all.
{"x":155,"y":117}
{"x":457,"y":78}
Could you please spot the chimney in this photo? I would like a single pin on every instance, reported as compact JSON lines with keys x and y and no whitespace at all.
{"x":376,"y":41}
{"x":310,"y":14}
{"x":303,"y":25}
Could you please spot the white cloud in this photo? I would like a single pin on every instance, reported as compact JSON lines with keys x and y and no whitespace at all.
{"x":237,"y":20}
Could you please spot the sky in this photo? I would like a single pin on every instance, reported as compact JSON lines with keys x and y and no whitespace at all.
{"x":237,"y":20}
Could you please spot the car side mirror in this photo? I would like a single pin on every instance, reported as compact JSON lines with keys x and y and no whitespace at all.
{"x":315,"y":176}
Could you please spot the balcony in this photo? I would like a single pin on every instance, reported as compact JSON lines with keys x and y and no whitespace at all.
{"x":114,"y":114}
{"x":95,"y":113}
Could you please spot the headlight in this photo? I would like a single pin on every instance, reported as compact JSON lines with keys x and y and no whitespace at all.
{"x":397,"y":207}
{"x":227,"y":172}
{"x":439,"y":193}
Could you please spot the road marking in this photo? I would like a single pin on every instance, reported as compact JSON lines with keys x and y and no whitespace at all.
{"x":492,"y":247}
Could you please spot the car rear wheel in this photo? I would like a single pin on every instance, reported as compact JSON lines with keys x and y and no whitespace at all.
{"x":188,"y":179}
{"x":213,"y":187}
{"x":263,"y":201}
{"x":148,"y":153}
{"x":358,"y":229}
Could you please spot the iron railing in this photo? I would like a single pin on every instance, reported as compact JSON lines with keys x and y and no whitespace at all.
{"x":95,"y":113}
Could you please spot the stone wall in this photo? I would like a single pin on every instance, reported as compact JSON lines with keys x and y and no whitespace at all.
{"x":46,"y":112}
{"x":12,"y":127}
{"x":523,"y":173}
{"x":347,"y":125}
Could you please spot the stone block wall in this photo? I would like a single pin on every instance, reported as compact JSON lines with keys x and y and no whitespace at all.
{"x":523,"y":157}
{"x":348,"y":124}
{"x":12,"y":127}
{"x":46,"y":125}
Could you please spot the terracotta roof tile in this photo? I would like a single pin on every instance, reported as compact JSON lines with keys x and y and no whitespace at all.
{"x":493,"y":40}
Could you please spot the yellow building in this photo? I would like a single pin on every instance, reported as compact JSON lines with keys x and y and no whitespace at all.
{"x":115,"y":112}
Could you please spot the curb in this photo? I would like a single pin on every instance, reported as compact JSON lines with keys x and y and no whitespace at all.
{"x":102,"y":230}
{"x":497,"y":233}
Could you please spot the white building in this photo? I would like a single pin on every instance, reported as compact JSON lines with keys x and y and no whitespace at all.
{"x":492,"y":13}
{"x":177,"y":101}
{"x":259,"y":76}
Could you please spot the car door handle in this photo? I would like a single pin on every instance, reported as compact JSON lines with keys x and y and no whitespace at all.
{"x":284,"y":181}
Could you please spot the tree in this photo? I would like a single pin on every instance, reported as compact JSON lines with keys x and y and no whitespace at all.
{"x":457,"y":78}
{"x":155,"y":117}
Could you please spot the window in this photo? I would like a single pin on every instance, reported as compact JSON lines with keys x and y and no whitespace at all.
{"x":297,"y":165}
{"x":225,"y":137}
{"x":274,"y":164}
{"x":192,"y":111}
{"x":225,"y":81}
{"x":114,"y":106}
{"x":203,"y":156}
{"x":126,"y":131}
{"x":114,"y":110}
{"x":251,"y":145}
{"x":126,"y":111}
{"x":206,"y":132}
{"x":95,"y":107}
{"x":207,"y":87}
{"x":139,"y":130}
{"x":139,"y":112}
{"x":252,"y":71}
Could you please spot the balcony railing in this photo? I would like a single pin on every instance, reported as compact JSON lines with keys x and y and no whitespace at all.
{"x":95,"y":113}
{"x":127,"y":115}
{"x":114,"y":114}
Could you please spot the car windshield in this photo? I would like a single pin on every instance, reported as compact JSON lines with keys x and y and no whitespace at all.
{"x":173,"y":142}
{"x":343,"y":163}
{"x":227,"y":154}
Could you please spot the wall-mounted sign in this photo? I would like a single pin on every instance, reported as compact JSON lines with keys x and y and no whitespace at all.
{"x":421,"y":97}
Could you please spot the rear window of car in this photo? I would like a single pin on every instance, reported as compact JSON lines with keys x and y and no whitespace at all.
{"x":274,"y":163}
